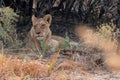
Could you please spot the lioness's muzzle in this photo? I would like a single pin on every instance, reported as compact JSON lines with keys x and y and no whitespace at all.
{"x":38,"y":37}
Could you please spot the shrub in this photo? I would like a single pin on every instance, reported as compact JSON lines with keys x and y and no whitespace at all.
{"x":7,"y":26}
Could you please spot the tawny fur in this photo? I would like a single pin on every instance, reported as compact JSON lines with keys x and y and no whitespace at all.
{"x":41,"y":28}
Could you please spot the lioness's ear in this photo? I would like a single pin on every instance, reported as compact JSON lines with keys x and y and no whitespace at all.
{"x":48,"y":18}
{"x":34,"y":19}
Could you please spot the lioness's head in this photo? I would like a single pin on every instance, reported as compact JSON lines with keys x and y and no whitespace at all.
{"x":41,"y":26}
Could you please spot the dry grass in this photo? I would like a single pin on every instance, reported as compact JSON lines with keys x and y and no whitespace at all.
{"x":53,"y":62}
{"x":12,"y":68}
{"x":20,"y":69}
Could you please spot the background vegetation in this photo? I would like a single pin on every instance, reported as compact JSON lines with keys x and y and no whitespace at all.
{"x":8,"y":19}
{"x":66,"y":13}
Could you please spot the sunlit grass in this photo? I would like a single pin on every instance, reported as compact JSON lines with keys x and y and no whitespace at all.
{"x":52,"y":62}
{"x":16,"y":68}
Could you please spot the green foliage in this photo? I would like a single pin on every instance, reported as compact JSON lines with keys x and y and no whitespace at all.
{"x":7,"y":26}
{"x":44,"y":48}
{"x":67,"y":44}
{"x":64,"y":45}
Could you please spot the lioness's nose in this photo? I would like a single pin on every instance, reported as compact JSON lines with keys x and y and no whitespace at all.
{"x":37,"y":32}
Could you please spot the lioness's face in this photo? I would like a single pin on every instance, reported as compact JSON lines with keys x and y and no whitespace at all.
{"x":41,"y":26}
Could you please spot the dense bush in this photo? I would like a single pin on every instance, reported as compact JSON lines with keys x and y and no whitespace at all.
{"x":7,"y":26}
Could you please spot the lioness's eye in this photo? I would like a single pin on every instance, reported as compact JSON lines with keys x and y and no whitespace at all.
{"x":34,"y":27}
{"x":43,"y":26}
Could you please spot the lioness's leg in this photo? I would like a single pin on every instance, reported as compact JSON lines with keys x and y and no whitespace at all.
{"x":37,"y":45}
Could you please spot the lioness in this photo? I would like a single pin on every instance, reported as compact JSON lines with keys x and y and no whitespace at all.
{"x":40,"y":31}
